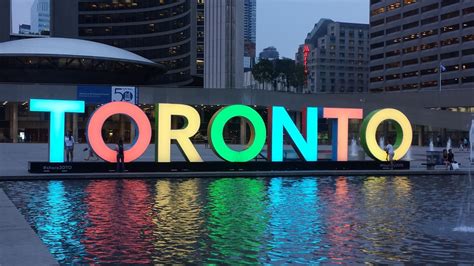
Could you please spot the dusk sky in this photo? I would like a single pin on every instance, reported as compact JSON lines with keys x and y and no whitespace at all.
{"x":280,"y":23}
{"x":285,"y":23}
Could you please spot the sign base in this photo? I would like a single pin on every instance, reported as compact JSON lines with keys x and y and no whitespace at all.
{"x":150,"y":167}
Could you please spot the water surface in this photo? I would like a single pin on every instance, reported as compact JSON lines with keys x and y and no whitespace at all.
{"x":251,"y":220}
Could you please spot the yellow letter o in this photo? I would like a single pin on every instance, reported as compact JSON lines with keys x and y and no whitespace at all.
{"x":369,"y":129}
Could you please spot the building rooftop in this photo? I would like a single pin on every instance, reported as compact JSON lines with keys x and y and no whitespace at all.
{"x":71,"y":48}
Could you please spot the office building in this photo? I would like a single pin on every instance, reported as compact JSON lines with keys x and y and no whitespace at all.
{"x":158,"y":30}
{"x":224,"y":45}
{"x":24,"y":29}
{"x":250,"y":33}
{"x":411,"y":40}
{"x":40,"y":17}
{"x":269,"y":53}
{"x":335,"y":56}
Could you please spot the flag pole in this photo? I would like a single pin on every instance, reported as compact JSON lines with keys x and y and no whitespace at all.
{"x":439,"y":70}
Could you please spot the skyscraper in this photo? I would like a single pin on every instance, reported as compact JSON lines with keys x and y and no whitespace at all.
{"x":161,"y":31}
{"x":335,"y":57}
{"x":250,"y":33}
{"x":40,"y":17}
{"x":411,"y":40}
{"x":224,"y":43}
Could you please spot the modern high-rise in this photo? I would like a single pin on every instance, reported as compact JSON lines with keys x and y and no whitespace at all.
{"x":160,"y":30}
{"x":412,"y":40}
{"x":269,"y":53}
{"x":250,"y":33}
{"x":224,"y":44}
{"x":200,"y":38}
{"x":335,"y":56}
{"x":40,"y":17}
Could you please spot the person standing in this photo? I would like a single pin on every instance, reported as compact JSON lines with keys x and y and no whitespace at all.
{"x":69,"y":145}
{"x":390,"y":153}
{"x":120,"y":156}
{"x":445,"y":159}
{"x":450,"y":159}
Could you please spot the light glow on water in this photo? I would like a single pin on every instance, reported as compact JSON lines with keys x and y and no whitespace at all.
{"x":281,"y":220}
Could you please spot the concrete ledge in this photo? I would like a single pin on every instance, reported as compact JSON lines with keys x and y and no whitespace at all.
{"x":19,"y":245}
{"x":231,"y":174}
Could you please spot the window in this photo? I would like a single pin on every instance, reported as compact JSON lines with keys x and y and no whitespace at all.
{"x":393,"y":41}
{"x":411,"y":86}
{"x":428,"y":84}
{"x":392,"y":53}
{"x":428,"y":33}
{"x":376,"y":34}
{"x":393,"y":6}
{"x":377,"y":11}
{"x":449,"y":2}
{"x":376,"y":79}
{"x":467,"y":52}
{"x":411,"y":13}
{"x":468,"y":10}
{"x":450,"y":15}
{"x":449,"y":55}
{"x":429,"y":7}
{"x":429,"y":58}
{"x":410,"y":49}
{"x":450,"y":81}
{"x":428,"y":46}
{"x":429,"y":20}
{"x":392,"y":77}
{"x":376,"y":56}
{"x":410,"y":37}
{"x":410,"y":74}
{"x":408,"y":2}
{"x":468,"y":79}
{"x":410,"y":62}
{"x":393,"y":29}
{"x":468,"y":38}
{"x":375,"y":68}
{"x":392,"y":65}
{"x":393,"y":18}
{"x":450,"y":41}
{"x":468,"y":24}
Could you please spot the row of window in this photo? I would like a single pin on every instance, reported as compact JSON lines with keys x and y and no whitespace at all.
{"x":398,"y":4}
{"x":134,"y":16}
{"x":423,"y":72}
{"x":426,"y":46}
{"x":465,"y":11}
{"x":449,"y":68}
{"x":136,"y":29}
{"x":342,"y":89}
{"x":163,"y":53}
{"x":149,"y":41}
{"x":425,"y":58}
{"x":426,"y":84}
{"x":121,"y":4}
{"x":443,"y":29}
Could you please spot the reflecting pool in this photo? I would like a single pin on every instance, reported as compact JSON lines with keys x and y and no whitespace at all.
{"x":252,"y":220}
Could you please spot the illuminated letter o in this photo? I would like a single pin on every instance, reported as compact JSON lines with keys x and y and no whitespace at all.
{"x":258,"y":133}
{"x":369,"y":129}
{"x":96,"y":122}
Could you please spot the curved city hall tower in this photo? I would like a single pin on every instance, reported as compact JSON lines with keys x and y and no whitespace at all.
{"x":160,"y":30}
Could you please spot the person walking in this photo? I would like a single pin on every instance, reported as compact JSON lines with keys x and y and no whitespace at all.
{"x":390,"y":153}
{"x":69,"y":145}
{"x":120,"y":156}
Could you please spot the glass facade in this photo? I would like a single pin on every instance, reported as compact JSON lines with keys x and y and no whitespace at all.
{"x":159,"y":30}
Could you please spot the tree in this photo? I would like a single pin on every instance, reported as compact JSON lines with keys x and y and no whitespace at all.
{"x":263,"y":72}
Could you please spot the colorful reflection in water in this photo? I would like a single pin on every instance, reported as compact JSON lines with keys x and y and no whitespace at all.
{"x":336,"y":220}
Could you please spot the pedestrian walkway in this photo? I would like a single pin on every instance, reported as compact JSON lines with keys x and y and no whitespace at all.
{"x":19,"y":245}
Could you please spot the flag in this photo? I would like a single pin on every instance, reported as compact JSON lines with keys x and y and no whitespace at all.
{"x":442,"y":68}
